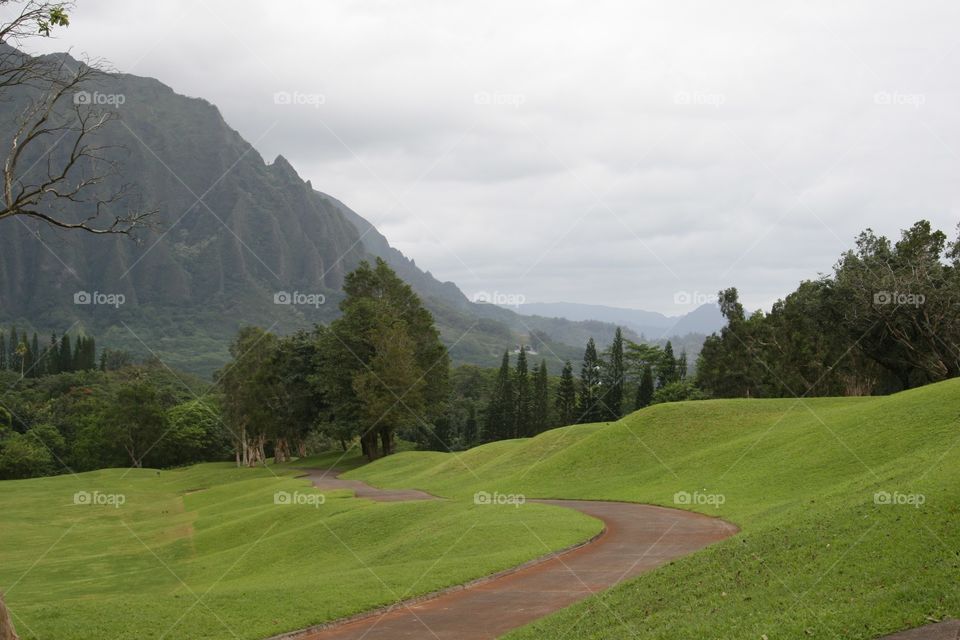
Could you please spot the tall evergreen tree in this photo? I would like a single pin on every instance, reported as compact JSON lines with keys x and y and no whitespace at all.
{"x":35,"y":366}
{"x":499,"y":416}
{"x":591,"y":383}
{"x":53,"y":355}
{"x":645,"y":390}
{"x":13,"y":362}
{"x":541,"y":399}
{"x":613,"y":378}
{"x":66,"y":354}
{"x":23,"y":355}
{"x":3,"y":351}
{"x":667,"y":371}
{"x":566,"y":402}
{"x":522,"y":399}
{"x":682,"y":365}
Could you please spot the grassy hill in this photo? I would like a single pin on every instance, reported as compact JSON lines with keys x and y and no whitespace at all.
{"x":204,"y":552}
{"x":817,"y":555}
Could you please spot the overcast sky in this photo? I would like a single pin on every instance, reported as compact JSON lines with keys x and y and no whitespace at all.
{"x":636,"y":154}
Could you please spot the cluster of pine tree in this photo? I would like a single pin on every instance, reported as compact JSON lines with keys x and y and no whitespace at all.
{"x":27,"y":357}
{"x":519,"y":404}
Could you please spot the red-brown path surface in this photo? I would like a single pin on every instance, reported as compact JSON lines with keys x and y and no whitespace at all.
{"x":637,"y":538}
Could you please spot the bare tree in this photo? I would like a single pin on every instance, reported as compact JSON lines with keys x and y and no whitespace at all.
{"x":53,"y":163}
{"x":6,"y":626}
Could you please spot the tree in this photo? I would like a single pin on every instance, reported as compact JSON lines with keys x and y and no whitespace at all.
{"x":392,"y":389}
{"x":645,"y":389}
{"x":195,"y":433}
{"x":682,"y":366}
{"x":351,"y":344}
{"x":54,"y":116}
{"x":591,"y":407}
{"x":7,"y":632}
{"x":523,"y":410}
{"x":613,"y":379}
{"x":566,"y":402}
{"x":541,"y":400}
{"x":246,"y":383}
{"x":66,"y":355}
{"x":500,"y":409}
{"x":137,"y":420}
{"x":667,"y":371}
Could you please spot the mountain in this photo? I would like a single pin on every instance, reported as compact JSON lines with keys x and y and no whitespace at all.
{"x":237,"y":241}
{"x":705,"y":319}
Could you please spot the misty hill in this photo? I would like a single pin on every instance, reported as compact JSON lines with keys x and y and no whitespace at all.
{"x":705,"y":319}
{"x":235,"y":236}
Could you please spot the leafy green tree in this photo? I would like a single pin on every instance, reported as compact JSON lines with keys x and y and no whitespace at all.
{"x":682,"y":366}
{"x":352,"y":342}
{"x":137,"y":421}
{"x":676,"y":392}
{"x":246,"y":383}
{"x":392,"y":391}
{"x":566,"y":402}
{"x":195,"y":433}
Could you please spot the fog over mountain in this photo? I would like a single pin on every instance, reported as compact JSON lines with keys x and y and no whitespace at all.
{"x":665,"y":148}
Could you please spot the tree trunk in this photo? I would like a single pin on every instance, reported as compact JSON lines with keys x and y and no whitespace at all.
{"x":7,"y":631}
{"x":386,"y":440}
{"x":370,"y":439}
{"x":302,"y":449}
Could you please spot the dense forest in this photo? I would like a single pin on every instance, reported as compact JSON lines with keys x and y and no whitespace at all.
{"x":887,"y":318}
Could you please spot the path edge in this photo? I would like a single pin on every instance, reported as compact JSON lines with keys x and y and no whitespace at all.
{"x":402,"y":604}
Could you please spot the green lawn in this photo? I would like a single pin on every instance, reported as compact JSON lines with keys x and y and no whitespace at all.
{"x":204,"y":552}
{"x":817,"y":556}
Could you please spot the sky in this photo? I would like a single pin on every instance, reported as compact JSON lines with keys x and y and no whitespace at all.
{"x":632,"y":154}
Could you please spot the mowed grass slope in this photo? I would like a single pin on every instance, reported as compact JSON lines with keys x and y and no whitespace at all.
{"x":817,"y":557}
{"x":204,"y":552}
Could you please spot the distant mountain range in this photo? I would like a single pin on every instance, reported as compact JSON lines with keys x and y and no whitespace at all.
{"x":705,"y":319}
{"x":238,"y":242}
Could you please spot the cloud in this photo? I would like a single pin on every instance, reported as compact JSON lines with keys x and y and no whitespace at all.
{"x":603,"y":152}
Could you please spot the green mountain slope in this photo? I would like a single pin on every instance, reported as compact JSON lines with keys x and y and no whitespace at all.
{"x":232,"y":231}
{"x":818,"y":556}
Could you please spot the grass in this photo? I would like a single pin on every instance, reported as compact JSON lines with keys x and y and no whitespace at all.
{"x":204,"y":552}
{"x":816,"y":557}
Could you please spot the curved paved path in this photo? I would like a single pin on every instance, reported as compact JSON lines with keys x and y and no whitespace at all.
{"x":637,"y":538}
